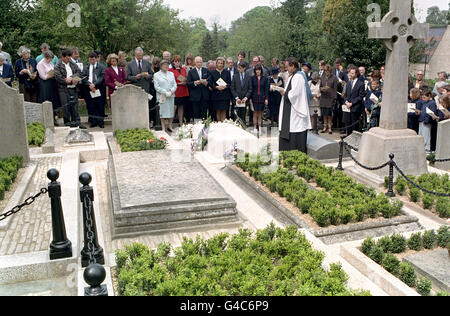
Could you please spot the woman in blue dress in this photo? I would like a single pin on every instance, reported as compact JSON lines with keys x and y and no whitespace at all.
{"x":165,"y":86}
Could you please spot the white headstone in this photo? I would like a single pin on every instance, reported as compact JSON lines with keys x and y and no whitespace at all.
{"x":443,"y":144}
{"x":129,"y":107}
{"x":13,"y":130}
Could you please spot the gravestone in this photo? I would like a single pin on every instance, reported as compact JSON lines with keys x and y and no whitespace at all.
{"x":151,"y":193}
{"x":320,"y":148}
{"x":39,"y":112}
{"x":434,"y":265}
{"x":13,"y":130}
{"x":443,"y":145}
{"x":129,"y":106}
{"x":398,"y":31}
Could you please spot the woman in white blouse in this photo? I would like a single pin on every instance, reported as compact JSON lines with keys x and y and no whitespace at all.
{"x":48,"y":89}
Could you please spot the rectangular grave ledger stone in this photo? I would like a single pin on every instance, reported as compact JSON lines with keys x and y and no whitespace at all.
{"x":129,"y":106}
{"x":13,"y":130}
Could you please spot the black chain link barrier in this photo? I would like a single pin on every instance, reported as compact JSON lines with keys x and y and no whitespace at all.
{"x":418,"y":186}
{"x":346,"y":147}
{"x":19,"y":207}
{"x":434,"y":160}
{"x":87,"y":206}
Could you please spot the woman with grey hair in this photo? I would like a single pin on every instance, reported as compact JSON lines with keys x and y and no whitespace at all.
{"x":48,"y":90}
{"x":166,"y":86}
{"x":25,"y":69}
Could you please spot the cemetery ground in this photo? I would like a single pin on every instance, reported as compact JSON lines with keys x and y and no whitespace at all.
{"x":222,"y":206}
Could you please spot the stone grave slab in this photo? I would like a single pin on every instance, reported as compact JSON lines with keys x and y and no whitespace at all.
{"x":151,"y":193}
{"x":13,"y":130}
{"x":443,"y":145}
{"x":434,"y":265}
{"x":320,"y":148}
{"x":130,"y":108}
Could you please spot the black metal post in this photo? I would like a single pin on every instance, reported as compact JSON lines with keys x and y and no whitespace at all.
{"x":60,"y":247}
{"x":86,"y":190}
{"x":390,"y":192}
{"x":341,"y":154}
{"x":157,"y":126}
{"x":316,"y":122}
{"x":94,"y":275}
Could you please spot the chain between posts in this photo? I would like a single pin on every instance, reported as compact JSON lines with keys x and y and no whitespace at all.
{"x":19,"y":207}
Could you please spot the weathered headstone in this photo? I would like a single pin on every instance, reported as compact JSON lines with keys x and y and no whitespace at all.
{"x":129,"y":106}
{"x":39,"y":112}
{"x":320,"y":148}
{"x":398,"y":31}
{"x":443,"y":145}
{"x":13,"y":130}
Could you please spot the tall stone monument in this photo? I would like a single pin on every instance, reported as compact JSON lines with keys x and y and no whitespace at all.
{"x":129,"y":106}
{"x":13,"y":130}
{"x":398,"y":31}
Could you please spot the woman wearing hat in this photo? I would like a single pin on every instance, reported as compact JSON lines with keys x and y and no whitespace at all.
{"x":165,"y":86}
{"x":26,"y":72}
{"x":274,"y":96}
{"x":307,"y":70}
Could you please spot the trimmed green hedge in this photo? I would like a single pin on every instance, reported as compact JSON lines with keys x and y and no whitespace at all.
{"x":432,"y":182}
{"x":36,"y":134}
{"x":9,"y":167}
{"x":139,"y":140}
{"x":273,"y":261}
{"x":339,"y":200}
{"x":382,"y":253}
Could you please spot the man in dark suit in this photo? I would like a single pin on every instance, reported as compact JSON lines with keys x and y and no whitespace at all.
{"x":6,"y":71}
{"x":197,"y":82}
{"x":241,"y":89}
{"x":354,"y":98}
{"x":68,"y":76}
{"x":233,"y":69}
{"x":241,"y":60}
{"x":95,"y":90}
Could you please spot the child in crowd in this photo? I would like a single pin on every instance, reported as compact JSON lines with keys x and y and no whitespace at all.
{"x":373,"y":109}
{"x":444,"y":100}
{"x":425,"y":120}
{"x":413,"y":118}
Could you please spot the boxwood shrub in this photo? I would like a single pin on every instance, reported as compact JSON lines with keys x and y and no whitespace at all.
{"x":9,"y":167}
{"x":36,"y":134}
{"x":272,"y":261}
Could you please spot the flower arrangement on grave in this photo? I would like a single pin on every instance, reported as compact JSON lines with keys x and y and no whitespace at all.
{"x":231,"y":153}
{"x":184,"y":132}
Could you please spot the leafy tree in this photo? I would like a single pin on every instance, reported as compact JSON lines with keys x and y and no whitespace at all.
{"x":208,"y":50}
{"x":436,"y":16}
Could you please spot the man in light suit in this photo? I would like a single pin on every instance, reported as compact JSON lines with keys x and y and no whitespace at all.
{"x":197,"y":83}
{"x":6,"y":71}
{"x":354,"y":98}
{"x":241,"y":89}
{"x":94,"y":74}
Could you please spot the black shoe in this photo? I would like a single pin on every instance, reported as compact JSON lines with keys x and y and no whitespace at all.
{"x":169,"y":130}
{"x":93,"y":125}
{"x":73,"y":124}
{"x":101,"y":125}
{"x":82,"y":126}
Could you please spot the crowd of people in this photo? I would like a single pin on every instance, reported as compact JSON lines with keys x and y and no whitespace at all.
{"x":188,"y":89}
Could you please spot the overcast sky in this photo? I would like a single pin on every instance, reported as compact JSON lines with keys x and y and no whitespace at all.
{"x":227,"y":11}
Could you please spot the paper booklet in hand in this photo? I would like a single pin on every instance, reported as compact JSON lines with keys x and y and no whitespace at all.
{"x":96,"y":94}
{"x":411,"y":108}
{"x":345,"y":108}
{"x":440,"y":107}
{"x":221,"y":83}
{"x":374,"y":99}
{"x":431,"y":113}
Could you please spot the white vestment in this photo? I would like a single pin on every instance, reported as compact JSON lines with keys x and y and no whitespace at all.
{"x":300,"y":117}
